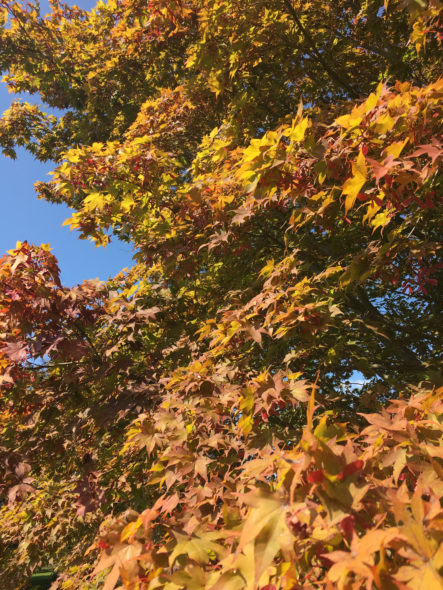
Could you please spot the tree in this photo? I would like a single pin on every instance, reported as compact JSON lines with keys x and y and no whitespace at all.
{"x":193,"y":422}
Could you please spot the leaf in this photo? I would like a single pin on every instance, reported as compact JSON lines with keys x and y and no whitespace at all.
{"x":349,"y":121}
{"x":260,"y":536}
{"x":265,"y":509}
{"x":381,"y":219}
{"x":95,"y":201}
{"x":352,"y":187}
{"x":384,"y":123}
{"x":351,"y":468}
{"x":16,"y":351}
{"x":297,"y":131}
{"x":315,"y":476}
{"x":432,"y":150}
{"x":196,"y":548}
{"x":395,"y":148}
{"x":130,"y":530}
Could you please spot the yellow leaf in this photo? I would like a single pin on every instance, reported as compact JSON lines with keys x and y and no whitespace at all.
{"x":127,"y":204}
{"x":267,"y":270}
{"x":72,"y":221}
{"x":214,"y":82}
{"x":245,"y":424}
{"x":384,"y":123}
{"x":130,"y":290}
{"x":381,"y":219}
{"x":371,"y":211}
{"x":94,"y":201}
{"x":396,"y":148}
{"x":373,"y":207}
{"x":73,"y":157}
{"x":130,"y":530}
{"x":353,"y":185}
{"x":18,"y":245}
{"x":349,"y":121}
{"x":298,"y":132}
{"x":370,"y":102}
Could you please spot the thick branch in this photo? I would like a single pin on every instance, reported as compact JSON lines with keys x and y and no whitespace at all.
{"x":83,"y":332}
{"x":362,"y":304}
{"x":318,"y":56}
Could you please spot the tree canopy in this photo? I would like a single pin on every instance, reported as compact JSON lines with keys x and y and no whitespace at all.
{"x":257,"y":403}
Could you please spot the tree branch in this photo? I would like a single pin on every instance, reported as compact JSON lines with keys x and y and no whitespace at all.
{"x":317,"y":55}
{"x":362,"y":304}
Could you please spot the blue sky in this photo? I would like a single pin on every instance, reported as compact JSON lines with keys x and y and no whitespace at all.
{"x":24,"y":217}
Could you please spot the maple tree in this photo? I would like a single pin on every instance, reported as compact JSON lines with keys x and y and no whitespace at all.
{"x":193,"y":423}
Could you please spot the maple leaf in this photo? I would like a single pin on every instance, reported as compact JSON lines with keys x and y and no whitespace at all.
{"x":16,"y":351}
{"x":352,"y":187}
{"x":433,"y":150}
{"x":381,"y":169}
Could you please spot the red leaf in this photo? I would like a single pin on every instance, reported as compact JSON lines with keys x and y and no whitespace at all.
{"x":315,"y":476}
{"x":351,"y":469}
{"x":348,"y":525}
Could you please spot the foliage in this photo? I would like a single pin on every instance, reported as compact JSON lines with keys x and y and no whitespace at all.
{"x":193,"y":422}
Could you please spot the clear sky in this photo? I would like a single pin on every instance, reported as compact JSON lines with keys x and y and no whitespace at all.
{"x":24,"y":217}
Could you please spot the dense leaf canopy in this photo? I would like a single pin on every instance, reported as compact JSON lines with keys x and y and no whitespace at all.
{"x":256,"y":403}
